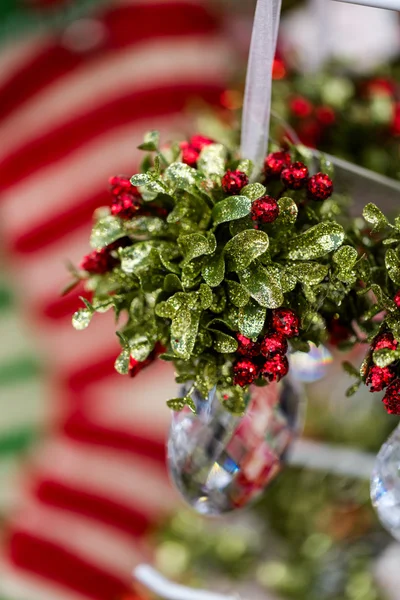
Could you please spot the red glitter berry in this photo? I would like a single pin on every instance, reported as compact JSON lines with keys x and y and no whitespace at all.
{"x":189,"y":154}
{"x":125,"y":206}
{"x":247,"y":347}
{"x":234,"y":181}
{"x":265,"y":210}
{"x":295,"y":175}
{"x":384,"y":340}
{"x":300,"y":107}
{"x":275,"y":162}
{"x":245,"y":372}
{"x":320,"y":186}
{"x":275,"y":367}
{"x":391,"y":399}
{"x":198,"y":142}
{"x":379,"y":377}
{"x":273,"y":343}
{"x":120,"y":184}
{"x":285,"y":322}
{"x":396,"y":299}
{"x":98,"y":262}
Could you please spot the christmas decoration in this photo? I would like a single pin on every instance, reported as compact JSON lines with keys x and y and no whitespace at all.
{"x":265,"y":210}
{"x":338,"y":110}
{"x":193,"y":271}
{"x":275,"y":163}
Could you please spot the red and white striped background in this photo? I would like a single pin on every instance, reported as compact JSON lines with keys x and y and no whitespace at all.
{"x":68,"y":120}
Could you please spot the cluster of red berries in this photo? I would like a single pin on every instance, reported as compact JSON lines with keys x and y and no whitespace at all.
{"x":379,"y":378}
{"x":295,"y":176}
{"x":268,"y":357}
{"x":102,"y":261}
{"x":126,"y":200}
{"x":191,"y":149}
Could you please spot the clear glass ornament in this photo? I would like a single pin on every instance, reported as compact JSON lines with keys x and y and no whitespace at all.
{"x":219,"y":461}
{"x":385,"y":484}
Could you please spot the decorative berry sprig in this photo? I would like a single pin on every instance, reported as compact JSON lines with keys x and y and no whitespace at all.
{"x":223,"y":275}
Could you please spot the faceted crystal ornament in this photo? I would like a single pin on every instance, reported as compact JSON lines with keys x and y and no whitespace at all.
{"x":220,"y":462}
{"x":385,"y":484}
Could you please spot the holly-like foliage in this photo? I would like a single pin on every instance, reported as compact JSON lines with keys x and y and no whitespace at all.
{"x":191,"y":269}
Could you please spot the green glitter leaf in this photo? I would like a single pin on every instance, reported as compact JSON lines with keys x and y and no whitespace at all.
{"x":224,"y":343}
{"x":392,"y":263}
{"x":196,"y":244}
{"x":350,"y":369}
{"x":385,"y":357}
{"x":140,"y":347}
{"x":206,"y":297}
{"x":287,"y":211}
{"x":184,"y":329}
{"x":206,"y":377}
{"x":140,"y":255}
{"x":140,"y":179}
{"x":316,"y":242}
{"x":254,"y":191}
{"x":252,"y":319}
{"x":144,"y":224}
{"x":233,"y":399}
{"x":105,"y":231}
{"x":245,"y":166}
{"x":308,"y":272}
{"x":151,"y":141}
{"x":345,"y":257}
{"x":231,"y":209}
{"x":245,"y":247}
{"x":212,"y":159}
{"x":181,"y":176}
{"x":353,"y":389}
{"x":374,"y":216}
{"x":81,"y":318}
{"x":263,"y":284}
{"x":176,"y":404}
{"x":214,"y":269}
{"x":121,"y":365}
{"x":237,"y":293}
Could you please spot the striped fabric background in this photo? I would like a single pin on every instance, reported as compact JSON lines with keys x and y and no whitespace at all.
{"x":69,"y":118}
{"x":23,"y":409}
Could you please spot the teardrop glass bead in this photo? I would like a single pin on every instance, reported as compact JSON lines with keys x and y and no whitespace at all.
{"x":219,"y":461}
{"x":385,"y":484}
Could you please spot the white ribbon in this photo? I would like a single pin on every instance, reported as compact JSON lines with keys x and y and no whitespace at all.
{"x":257,"y":100}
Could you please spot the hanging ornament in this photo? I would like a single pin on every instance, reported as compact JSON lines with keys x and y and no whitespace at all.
{"x":224,"y":263}
{"x":385,"y":484}
{"x":220,"y":461}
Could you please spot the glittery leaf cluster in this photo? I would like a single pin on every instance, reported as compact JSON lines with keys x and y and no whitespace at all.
{"x":218,"y":273}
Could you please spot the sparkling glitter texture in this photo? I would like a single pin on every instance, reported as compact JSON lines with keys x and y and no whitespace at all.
{"x":384,"y":340}
{"x":285,"y":322}
{"x":295,"y":176}
{"x":320,"y":186}
{"x":275,"y":367}
{"x":98,"y":262}
{"x":272,"y":344}
{"x":275,"y":162}
{"x":391,"y":399}
{"x":265,"y":210}
{"x":245,"y":371}
{"x":379,"y":377}
{"x":247,"y":347}
{"x":233,"y":181}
